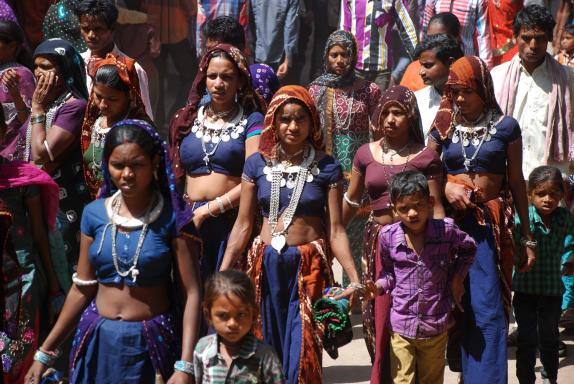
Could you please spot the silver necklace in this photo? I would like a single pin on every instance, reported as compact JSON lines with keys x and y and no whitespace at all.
{"x":340,"y":124}
{"x":219,"y":115}
{"x":472,"y":134}
{"x":278,"y":239}
{"x":385,"y":149}
{"x":290,"y":171}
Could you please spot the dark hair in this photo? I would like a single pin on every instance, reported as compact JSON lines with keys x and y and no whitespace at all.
{"x":225,"y":30}
{"x":534,"y":17}
{"x":11,"y":32}
{"x":229,"y":282}
{"x":108,"y":75}
{"x":543,"y":174}
{"x":103,"y":9}
{"x":449,"y":21}
{"x":2,"y":124}
{"x":408,"y":183}
{"x":226,"y":56}
{"x":569,"y":29}
{"x":443,"y":45}
{"x":119,"y":135}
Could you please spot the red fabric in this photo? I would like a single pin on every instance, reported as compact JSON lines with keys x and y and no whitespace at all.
{"x":502,"y":14}
{"x":31,"y":15}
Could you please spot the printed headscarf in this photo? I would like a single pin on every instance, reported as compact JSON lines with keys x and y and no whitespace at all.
{"x":166,"y":178}
{"x":269,"y":138}
{"x":405,"y":99}
{"x":70,"y":63}
{"x":265,"y":81}
{"x":61,"y":22}
{"x":347,"y":41}
{"x":128,"y":75}
{"x":182,"y":122}
{"x":467,"y":72}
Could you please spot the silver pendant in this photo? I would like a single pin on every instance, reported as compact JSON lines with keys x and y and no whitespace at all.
{"x":199,"y":134}
{"x":309,"y":178}
{"x":135,"y":272}
{"x":215,"y":139}
{"x":475,"y":141}
{"x":278,"y":242}
{"x":315,"y":171}
{"x":468,"y":163}
{"x":283,"y":182}
{"x":290,"y":184}
{"x":455,"y":138}
{"x":492,"y":131}
{"x":225,"y":138}
{"x":240,"y":129}
{"x":488,"y":137}
{"x":269,"y":178}
{"x":206,"y":138}
{"x":465,"y":142}
{"x":194,"y":128}
{"x":266,"y":170}
{"x":234,"y":135}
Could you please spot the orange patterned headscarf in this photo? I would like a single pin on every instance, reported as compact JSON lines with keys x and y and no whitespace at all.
{"x":468,"y":72}
{"x":127,"y":72}
{"x":269,"y":139}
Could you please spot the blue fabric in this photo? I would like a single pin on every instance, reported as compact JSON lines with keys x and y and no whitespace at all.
{"x":568,"y":297}
{"x":229,"y":157}
{"x":314,"y":195}
{"x":484,"y":357}
{"x":492,"y":155}
{"x":117,"y":352}
{"x":280,"y":312}
{"x":155,"y":261}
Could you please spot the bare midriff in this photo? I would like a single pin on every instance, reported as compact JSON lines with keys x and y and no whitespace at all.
{"x":123,"y":302}
{"x":209,"y":186}
{"x":490,"y":184}
{"x":303,"y":230}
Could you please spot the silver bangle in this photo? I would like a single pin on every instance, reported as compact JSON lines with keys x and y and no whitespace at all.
{"x":351,"y":202}
{"x":220,"y":205}
{"x":209,"y":211}
{"x":38,"y":119}
{"x":50,"y":154}
{"x":82,"y":283}
{"x":228,"y":200}
{"x":528,"y":243}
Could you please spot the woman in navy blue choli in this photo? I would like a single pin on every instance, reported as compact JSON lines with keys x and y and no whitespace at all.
{"x":209,"y":145}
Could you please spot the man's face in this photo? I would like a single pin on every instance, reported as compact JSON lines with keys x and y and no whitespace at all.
{"x":97,"y":35}
{"x":532,"y":44}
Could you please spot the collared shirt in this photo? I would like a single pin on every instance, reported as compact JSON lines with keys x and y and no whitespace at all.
{"x":531,"y":112}
{"x":555,"y":247}
{"x":420,"y":284}
{"x":255,"y":363}
{"x":473,"y":17}
{"x":276,"y":30}
{"x":428,"y":100}
{"x":142,"y":77}
{"x":371,"y":21}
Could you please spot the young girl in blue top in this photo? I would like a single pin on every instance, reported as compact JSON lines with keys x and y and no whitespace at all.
{"x":538,"y":291}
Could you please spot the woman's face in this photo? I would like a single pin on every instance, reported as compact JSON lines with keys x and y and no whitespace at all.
{"x":339,"y":60}
{"x":395,"y":122}
{"x":43,"y":66}
{"x":8,"y":51}
{"x":222,"y":81}
{"x":468,"y":102}
{"x":131,"y":169}
{"x":113,"y":104}
{"x":293,"y":124}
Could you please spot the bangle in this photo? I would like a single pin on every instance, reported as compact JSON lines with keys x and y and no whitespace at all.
{"x":183,"y":366}
{"x":46,"y":358}
{"x":82,"y":283}
{"x":50,"y":154}
{"x":228,"y":200}
{"x":220,"y":205}
{"x":528,"y":243}
{"x":38,"y":119}
{"x":351,"y":202}
{"x":209,"y":211}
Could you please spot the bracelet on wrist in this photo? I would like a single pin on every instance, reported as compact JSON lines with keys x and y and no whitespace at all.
{"x":219,"y":202}
{"x":228,"y":200}
{"x":528,"y":243}
{"x":209,"y":210}
{"x":183,"y":366}
{"x":40,"y":118}
{"x":82,"y":283}
{"x":352,"y":203}
{"x":46,"y":357}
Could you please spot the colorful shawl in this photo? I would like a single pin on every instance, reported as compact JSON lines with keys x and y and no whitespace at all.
{"x":165,"y":177}
{"x":559,"y":130}
{"x":405,"y":99}
{"x":61,"y":22}
{"x":468,"y":72}
{"x":182,"y":122}
{"x":269,"y":139}
{"x":265,"y":81}
{"x":128,"y":75}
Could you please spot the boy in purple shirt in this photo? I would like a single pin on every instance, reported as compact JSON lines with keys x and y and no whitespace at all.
{"x":425,"y":261}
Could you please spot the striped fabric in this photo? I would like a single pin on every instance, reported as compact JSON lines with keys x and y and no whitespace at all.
{"x":473,"y":17}
{"x":210,"y":9}
{"x":371,"y":21}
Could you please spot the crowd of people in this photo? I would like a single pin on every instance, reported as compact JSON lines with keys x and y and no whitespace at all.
{"x":177,"y":178}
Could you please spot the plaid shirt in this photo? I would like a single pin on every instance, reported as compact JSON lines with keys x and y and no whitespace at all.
{"x":255,"y":363}
{"x":420,"y":284}
{"x":555,"y":247}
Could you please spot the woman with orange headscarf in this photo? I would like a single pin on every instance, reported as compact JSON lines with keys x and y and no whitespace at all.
{"x":482,"y":153}
{"x":299,"y":189}
{"x":115,"y":96}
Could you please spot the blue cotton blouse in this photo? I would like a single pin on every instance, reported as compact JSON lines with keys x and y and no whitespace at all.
{"x":155,"y":260}
{"x":314,"y":196}
{"x":228,"y":158}
{"x":492,"y":155}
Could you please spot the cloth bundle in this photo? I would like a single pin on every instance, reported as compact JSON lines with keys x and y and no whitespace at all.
{"x":334,"y":315}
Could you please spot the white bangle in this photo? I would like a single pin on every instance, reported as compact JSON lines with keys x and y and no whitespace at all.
{"x":50,"y":154}
{"x":220,"y":205}
{"x":351,"y":202}
{"x":228,"y":200}
{"x":209,"y":210}
{"x":82,"y":283}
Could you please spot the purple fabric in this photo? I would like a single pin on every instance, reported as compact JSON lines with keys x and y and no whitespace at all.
{"x":70,"y":116}
{"x":264,"y":80}
{"x":7,"y":13}
{"x":420,"y":284}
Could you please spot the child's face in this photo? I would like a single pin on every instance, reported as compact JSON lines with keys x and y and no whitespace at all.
{"x":567,"y":42}
{"x":230,"y":317}
{"x":413,"y":211}
{"x":545,"y":197}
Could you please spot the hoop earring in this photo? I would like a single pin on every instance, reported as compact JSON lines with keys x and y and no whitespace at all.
{"x":155,"y":176}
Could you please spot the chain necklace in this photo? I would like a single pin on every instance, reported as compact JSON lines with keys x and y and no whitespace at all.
{"x":219,"y":115}
{"x":291,"y":171}
{"x":474,"y":135}
{"x":278,"y":239}
{"x":343,"y":124}
{"x":385,"y":149}
{"x":287,"y":157}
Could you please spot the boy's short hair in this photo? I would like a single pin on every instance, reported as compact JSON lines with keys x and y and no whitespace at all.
{"x":534,"y":17}
{"x":569,"y":29}
{"x":104,"y":9}
{"x":226,"y":30}
{"x":408,"y":183}
{"x":444,"y":46}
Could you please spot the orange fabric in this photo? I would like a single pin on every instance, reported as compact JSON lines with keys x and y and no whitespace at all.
{"x":502,"y":14}
{"x":412,"y":79}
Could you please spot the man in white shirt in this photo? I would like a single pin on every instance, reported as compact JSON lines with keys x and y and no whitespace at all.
{"x":537,"y":91}
{"x":436,"y":54}
{"x":97,"y":23}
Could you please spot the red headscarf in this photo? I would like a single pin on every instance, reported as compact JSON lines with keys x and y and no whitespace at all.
{"x":467,"y":72}
{"x":268,"y":140}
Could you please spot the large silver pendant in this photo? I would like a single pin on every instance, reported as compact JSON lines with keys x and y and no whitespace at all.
{"x":475,"y":141}
{"x":455,"y":138}
{"x":465,"y":142}
{"x":278,"y":242}
{"x":492,"y":131}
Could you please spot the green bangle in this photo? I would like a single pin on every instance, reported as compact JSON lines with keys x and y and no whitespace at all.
{"x":38,"y":119}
